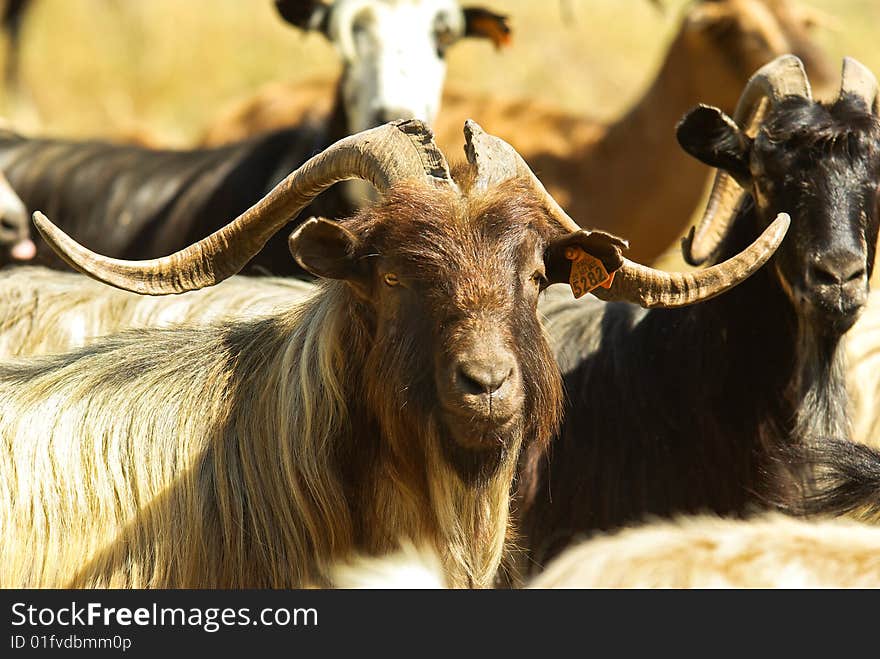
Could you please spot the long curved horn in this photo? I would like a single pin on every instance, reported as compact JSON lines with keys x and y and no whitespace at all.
{"x":858,"y":80}
{"x":384,"y":155}
{"x":784,"y":76}
{"x":655,"y":288}
{"x":495,"y":161}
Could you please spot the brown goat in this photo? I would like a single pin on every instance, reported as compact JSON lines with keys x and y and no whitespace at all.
{"x":629,"y":177}
{"x":391,"y":405}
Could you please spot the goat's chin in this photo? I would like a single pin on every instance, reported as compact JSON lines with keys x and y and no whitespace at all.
{"x":833,"y":315}
{"x":477,"y":449}
{"x":839,"y":322}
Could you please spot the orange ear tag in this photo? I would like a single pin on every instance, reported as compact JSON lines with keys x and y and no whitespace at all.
{"x":494,"y":28}
{"x":587,"y":272}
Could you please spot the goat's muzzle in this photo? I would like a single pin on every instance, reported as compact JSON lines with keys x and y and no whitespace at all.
{"x":481,"y":393}
{"x":836,"y":288}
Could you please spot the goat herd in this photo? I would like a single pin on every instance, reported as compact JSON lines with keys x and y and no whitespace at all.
{"x":420,"y":374}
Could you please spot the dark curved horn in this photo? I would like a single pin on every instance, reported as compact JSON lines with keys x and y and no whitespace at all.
{"x":858,"y":80}
{"x":784,"y":76}
{"x":383,"y":156}
{"x":655,"y":288}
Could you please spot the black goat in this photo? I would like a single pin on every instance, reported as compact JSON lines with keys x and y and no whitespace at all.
{"x":689,"y":410}
{"x":168,"y":199}
{"x":131,"y":202}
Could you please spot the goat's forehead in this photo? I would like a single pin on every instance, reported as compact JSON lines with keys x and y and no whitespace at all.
{"x":460,"y":246}
{"x":798,"y":127}
{"x":431,"y":231}
{"x":411,"y":9}
{"x":394,"y":27}
{"x":473,"y":271}
{"x":803,"y":154}
{"x":426,"y":5}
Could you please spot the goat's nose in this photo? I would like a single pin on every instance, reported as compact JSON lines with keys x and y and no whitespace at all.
{"x":481,"y":378}
{"x":836,"y":268}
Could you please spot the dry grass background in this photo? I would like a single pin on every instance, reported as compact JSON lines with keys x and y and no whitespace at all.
{"x":104,"y":67}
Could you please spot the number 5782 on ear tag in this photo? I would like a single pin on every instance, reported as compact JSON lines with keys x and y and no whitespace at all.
{"x":587,"y":272}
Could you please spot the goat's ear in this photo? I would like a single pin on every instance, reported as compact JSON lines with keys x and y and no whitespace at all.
{"x":304,"y":14}
{"x":713,"y":138}
{"x":562,"y":252}
{"x":485,"y":24}
{"x":327,"y":249}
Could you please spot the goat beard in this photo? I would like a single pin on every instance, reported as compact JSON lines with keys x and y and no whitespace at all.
{"x":429,"y":488}
{"x":818,"y":396}
{"x":428,"y":497}
{"x":819,"y":386}
{"x":472,"y":516}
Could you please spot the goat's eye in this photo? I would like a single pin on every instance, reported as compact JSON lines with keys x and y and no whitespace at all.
{"x":391,"y":279}
{"x":443,"y":36}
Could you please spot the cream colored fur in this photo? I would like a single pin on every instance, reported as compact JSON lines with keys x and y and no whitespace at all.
{"x":771,"y":551}
{"x":45,"y":311}
{"x":207,"y":457}
{"x":707,"y":552}
{"x":863,"y":373}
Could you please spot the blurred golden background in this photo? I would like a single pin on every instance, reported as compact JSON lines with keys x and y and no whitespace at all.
{"x":166,"y":67}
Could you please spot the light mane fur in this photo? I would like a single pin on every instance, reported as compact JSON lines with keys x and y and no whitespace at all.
{"x":244,"y":453}
{"x":771,"y":551}
{"x":47,"y":311}
{"x":863,"y":373}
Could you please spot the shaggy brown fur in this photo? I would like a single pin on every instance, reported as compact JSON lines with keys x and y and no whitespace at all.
{"x":258,"y":453}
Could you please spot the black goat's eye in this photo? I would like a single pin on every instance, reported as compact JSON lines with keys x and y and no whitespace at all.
{"x":391,"y":279}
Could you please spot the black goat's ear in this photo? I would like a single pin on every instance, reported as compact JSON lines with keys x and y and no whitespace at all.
{"x":713,"y":138}
{"x":485,"y":24}
{"x":584,"y":259}
{"x":327,"y":249}
{"x":305,"y":14}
